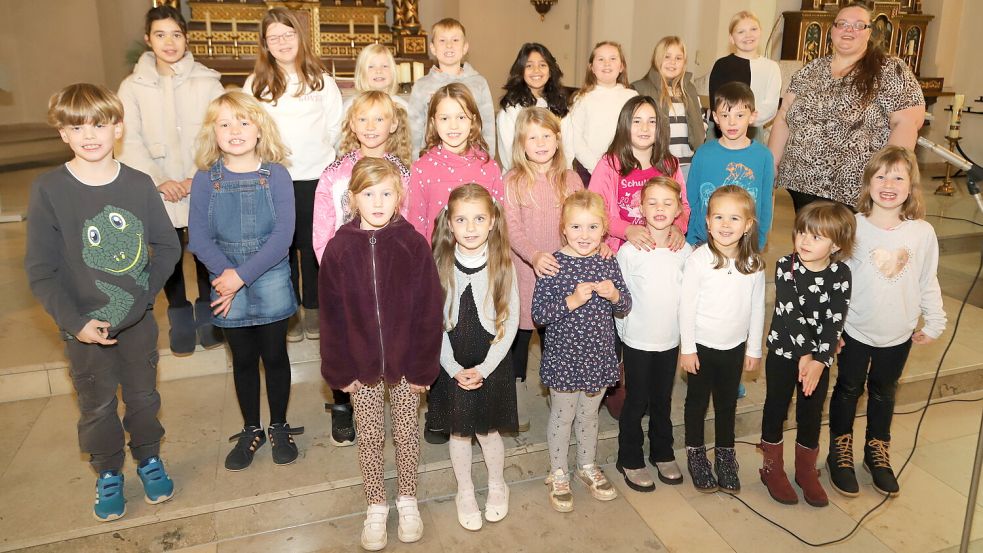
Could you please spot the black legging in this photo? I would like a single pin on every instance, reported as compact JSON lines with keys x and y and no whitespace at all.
{"x":520,"y":350}
{"x":248,"y":345}
{"x":174,"y":288}
{"x":782,"y":380}
{"x":302,"y":249}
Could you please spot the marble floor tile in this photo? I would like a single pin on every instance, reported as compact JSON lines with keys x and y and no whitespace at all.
{"x":17,"y":418}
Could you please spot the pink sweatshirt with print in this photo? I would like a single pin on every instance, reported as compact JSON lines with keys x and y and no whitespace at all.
{"x":623,"y":197}
{"x":437,"y":172}
{"x":331,"y":209}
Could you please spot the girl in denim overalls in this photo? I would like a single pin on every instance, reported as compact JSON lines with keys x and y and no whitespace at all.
{"x":241,"y":226}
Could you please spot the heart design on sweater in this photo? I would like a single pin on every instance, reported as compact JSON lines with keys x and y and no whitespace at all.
{"x":890,"y":263}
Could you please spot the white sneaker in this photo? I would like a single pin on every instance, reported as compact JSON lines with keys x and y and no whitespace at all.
{"x":374,"y":530}
{"x":593,"y":477}
{"x":497,"y":506}
{"x":410,"y":522}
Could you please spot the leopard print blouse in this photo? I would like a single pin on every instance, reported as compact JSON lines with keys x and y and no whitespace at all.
{"x":831,"y":135}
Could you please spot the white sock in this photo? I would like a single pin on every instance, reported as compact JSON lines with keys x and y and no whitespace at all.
{"x":493,"y":449}
{"x":460,"y":448}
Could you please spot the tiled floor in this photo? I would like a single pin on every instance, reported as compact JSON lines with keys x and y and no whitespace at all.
{"x":315,"y":505}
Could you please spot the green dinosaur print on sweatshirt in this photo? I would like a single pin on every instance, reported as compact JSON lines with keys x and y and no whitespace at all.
{"x":112,"y":242}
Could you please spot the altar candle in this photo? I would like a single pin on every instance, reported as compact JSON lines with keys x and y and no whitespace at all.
{"x":235,"y":30}
{"x":208,"y":23}
{"x":404,"y":72}
{"x":418,"y":71}
{"x":911,"y":47}
{"x":351,"y":26}
{"x":375,"y":25}
{"x":957,"y":106}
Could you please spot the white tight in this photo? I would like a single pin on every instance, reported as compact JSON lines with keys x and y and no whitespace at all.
{"x":579,"y":410}
{"x":493,"y":450}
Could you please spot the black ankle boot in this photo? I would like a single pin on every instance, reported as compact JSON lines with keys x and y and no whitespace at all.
{"x":726,"y":467}
{"x":209,"y":336}
{"x":839,"y":462}
{"x":877,"y":461}
{"x":342,"y":427}
{"x":182,"y":332}
{"x":700,"y":470}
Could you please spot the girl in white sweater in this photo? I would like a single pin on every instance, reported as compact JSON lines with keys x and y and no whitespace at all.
{"x":894,"y":266}
{"x":293,"y":86}
{"x":721,"y":320}
{"x":593,"y":115}
{"x":164,"y":103}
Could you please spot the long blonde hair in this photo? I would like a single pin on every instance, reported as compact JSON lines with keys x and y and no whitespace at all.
{"x":269,"y":146}
{"x":669,"y":86}
{"x":520,"y":180}
{"x":269,"y":80}
{"x":460,"y":94}
{"x":362,"y":65}
{"x":590,"y":80}
{"x":398,"y":143}
{"x":748,"y":260}
{"x":500,"y":269}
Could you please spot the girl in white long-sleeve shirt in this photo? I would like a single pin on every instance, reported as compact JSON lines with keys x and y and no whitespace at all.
{"x":293,"y":86}
{"x":894,"y":267}
{"x":721,"y":320}
{"x":593,"y":115}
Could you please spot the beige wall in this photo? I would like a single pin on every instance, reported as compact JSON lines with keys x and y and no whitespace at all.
{"x":47,"y":44}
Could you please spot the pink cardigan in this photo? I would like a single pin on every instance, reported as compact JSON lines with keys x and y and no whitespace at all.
{"x":623,"y":195}
{"x":439,"y":171}
{"x":331,"y":208}
{"x":534,"y":226}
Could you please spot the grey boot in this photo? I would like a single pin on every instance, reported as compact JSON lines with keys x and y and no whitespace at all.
{"x":208,"y":336}
{"x":182,"y":332}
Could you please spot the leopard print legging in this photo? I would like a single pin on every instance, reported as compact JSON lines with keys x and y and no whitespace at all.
{"x":370,"y":406}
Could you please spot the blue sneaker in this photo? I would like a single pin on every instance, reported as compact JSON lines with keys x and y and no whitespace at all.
{"x":110,"y":504}
{"x":741,"y":391}
{"x":157,"y":485}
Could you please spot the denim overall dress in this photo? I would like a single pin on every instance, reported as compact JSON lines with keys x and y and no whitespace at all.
{"x":241,"y":218}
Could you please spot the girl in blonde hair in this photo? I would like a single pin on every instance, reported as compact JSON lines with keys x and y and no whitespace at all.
{"x":241,"y":225}
{"x":375,"y":69}
{"x":481,"y":304}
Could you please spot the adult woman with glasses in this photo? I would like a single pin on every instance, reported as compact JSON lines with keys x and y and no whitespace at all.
{"x":841,"y":109}
{"x":292,"y":84}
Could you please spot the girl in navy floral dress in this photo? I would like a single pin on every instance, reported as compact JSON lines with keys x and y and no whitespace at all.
{"x":578,"y":305}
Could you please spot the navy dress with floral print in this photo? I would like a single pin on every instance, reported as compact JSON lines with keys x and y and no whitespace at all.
{"x":579,"y":352}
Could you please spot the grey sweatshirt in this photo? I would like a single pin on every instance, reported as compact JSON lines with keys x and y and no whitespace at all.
{"x":98,"y":252}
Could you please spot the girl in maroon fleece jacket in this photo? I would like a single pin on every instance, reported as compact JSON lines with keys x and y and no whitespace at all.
{"x":381,"y":330}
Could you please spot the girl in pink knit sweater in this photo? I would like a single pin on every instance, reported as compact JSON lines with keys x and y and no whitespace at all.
{"x":534,"y":192}
{"x":638,"y":153}
{"x":454,"y":154}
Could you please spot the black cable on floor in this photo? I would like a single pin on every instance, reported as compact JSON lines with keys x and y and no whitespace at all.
{"x":963,"y":219}
{"x":914,"y":445}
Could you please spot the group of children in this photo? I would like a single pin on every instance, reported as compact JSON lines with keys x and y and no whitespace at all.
{"x":435,"y":273}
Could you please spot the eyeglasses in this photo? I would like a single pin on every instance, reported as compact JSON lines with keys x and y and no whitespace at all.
{"x":857,"y":26}
{"x":285,"y":37}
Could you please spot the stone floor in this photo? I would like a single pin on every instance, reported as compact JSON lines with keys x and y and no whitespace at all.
{"x":317,"y":505}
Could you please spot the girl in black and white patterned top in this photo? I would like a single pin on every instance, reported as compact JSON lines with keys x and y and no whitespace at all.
{"x":812,"y":295}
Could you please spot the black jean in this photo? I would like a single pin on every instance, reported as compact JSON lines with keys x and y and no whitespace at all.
{"x":719,"y":376}
{"x":782,"y":379}
{"x":880,"y":368}
{"x":249,"y":344}
{"x":97,"y":373}
{"x":520,"y":350}
{"x":174,"y":289}
{"x":303,"y":263}
{"x":649,"y":377}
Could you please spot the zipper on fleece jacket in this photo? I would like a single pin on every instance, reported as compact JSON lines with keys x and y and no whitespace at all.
{"x":378,"y":312}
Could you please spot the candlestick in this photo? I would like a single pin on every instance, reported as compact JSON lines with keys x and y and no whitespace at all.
{"x":208,"y":23}
{"x":375,"y":25}
{"x":234,"y":29}
{"x":957,"y":106}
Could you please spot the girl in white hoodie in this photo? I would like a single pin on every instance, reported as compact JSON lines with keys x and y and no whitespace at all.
{"x":164,"y":102}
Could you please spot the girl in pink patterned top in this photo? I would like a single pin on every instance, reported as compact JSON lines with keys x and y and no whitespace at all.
{"x":638,"y":153}
{"x":375,"y":127}
{"x":534,"y":192}
{"x":455,"y":154}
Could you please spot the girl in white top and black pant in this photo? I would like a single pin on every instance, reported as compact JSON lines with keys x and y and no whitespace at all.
{"x":306,"y":104}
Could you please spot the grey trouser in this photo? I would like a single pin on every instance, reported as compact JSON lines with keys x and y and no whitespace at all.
{"x":97,"y":372}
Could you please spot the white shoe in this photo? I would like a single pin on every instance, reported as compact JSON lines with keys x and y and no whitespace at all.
{"x":410,"y":522}
{"x":374,"y":530}
{"x":470,"y":520}
{"x":497,"y":506}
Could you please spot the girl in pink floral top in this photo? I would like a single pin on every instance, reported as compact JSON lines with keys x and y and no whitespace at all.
{"x":638,"y":153}
{"x":534,"y":192}
{"x":455,"y":154}
{"x":375,"y":127}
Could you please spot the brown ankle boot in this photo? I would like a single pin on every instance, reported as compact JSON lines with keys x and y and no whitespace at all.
{"x":773,"y":474}
{"x":807,"y":476}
